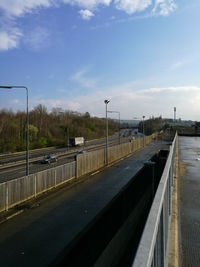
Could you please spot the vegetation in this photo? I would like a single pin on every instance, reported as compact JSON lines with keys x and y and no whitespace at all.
{"x":48,"y":129}
{"x":151,"y":125}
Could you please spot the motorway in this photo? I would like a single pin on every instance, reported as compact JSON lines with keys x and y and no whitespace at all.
{"x":42,"y":231}
{"x":64,"y":156}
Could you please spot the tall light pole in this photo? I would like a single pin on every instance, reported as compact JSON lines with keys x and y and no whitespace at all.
{"x":174,"y":114}
{"x":27,"y":122}
{"x":106,"y":103}
{"x":112,"y":111}
{"x":143,"y":128}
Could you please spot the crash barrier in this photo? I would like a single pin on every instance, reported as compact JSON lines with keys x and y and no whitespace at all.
{"x":153,"y":248}
{"x":18,"y":190}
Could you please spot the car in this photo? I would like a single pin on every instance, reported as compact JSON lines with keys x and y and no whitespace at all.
{"x":49,"y":159}
{"x":82,"y":152}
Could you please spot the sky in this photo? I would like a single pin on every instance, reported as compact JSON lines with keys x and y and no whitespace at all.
{"x":142,"y":55}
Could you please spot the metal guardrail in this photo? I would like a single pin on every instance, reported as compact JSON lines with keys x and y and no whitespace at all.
{"x":153,"y":247}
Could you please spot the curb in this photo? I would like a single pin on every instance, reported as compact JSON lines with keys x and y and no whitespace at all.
{"x":11,"y":216}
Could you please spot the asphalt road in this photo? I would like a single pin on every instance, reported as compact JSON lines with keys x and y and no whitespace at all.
{"x":35,"y":237}
{"x":20,"y":171}
{"x":9,"y":158}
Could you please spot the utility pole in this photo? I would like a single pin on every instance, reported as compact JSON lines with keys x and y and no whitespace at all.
{"x":143,"y":128}
{"x":106,"y":103}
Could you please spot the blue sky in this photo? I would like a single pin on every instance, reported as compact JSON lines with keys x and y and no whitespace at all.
{"x":143,"y":55}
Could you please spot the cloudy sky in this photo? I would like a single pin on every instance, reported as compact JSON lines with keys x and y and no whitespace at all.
{"x":142,"y":55}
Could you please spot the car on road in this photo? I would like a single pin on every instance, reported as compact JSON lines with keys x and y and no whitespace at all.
{"x":82,"y":152}
{"x":49,"y":159}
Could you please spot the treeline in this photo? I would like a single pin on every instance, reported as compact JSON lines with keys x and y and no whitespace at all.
{"x":48,"y":129}
{"x":151,"y":125}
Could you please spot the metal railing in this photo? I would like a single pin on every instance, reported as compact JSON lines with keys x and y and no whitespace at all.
{"x":153,"y":247}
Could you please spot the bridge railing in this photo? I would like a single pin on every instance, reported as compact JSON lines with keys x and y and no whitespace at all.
{"x":153,"y":247}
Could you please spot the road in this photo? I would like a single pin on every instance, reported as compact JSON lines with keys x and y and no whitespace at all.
{"x":9,"y":158}
{"x":17,"y":171}
{"x":35,"y":237}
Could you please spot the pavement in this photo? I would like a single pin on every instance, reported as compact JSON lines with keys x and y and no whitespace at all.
{"x":189,"y":179}
{"x":36,"y":232}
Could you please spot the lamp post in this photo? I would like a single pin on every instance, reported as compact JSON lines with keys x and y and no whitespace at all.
{"x":112,"y":111}
{"x":143,"y":128}
{"x":27,"y":123}
{"x":106,"y":103}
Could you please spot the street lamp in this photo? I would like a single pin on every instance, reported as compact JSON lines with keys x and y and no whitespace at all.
{"x":106,"y":103}
{"x":112,"y":111}
{"x":143,"y":128}
{"x":27,"y":122}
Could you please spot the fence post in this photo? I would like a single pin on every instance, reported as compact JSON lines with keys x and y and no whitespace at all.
{"x":55,"y":182}
{"x":76,"y":166}
{"x":35,"y":185}
{"x":7,"y":196}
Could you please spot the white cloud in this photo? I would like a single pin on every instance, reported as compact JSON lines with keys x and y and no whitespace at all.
{"x":172,"y":89}
{"x":11,"y":10}
{"x":81,"y":78}
{"x":55,"y":103}
{"x":86,"y":14}
{"x":20,"y":7}
{"x":132,"y":6}
{"x":176,"y":65}
{"x":9,"y":39}
{"x":164,"y":7}
{"x":135,"y":103}
{"x":10,"y":34}
{"x":38,"y":38}
{"x":88,"y":4}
